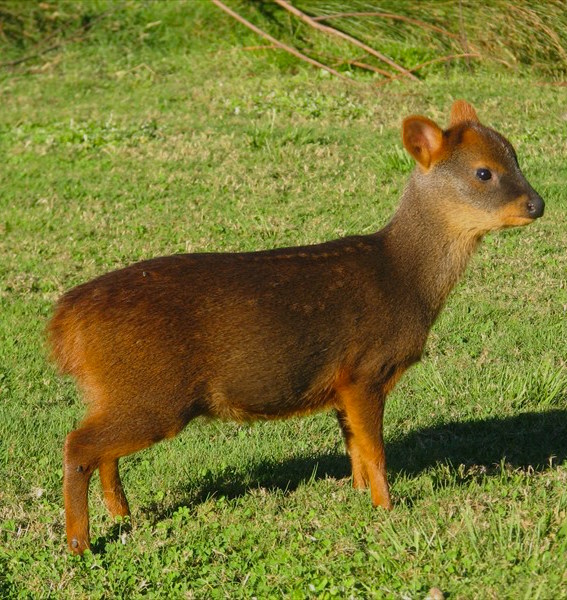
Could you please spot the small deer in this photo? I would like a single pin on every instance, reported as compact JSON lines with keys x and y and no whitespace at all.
{"x":271,"y":334}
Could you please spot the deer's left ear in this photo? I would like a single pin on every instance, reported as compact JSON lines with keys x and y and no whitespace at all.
{"x":462,"y":111}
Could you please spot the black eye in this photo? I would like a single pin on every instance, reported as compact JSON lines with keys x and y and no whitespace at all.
{"x":483,"y":174}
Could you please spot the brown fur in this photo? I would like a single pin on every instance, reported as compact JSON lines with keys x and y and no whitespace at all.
{"x":270,"y":334}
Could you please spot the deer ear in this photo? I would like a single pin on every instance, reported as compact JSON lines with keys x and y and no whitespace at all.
{"x":462,"y":111}
{"x":423,"y":139}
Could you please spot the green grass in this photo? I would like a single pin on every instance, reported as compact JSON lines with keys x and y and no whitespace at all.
{"x":117,"y":149}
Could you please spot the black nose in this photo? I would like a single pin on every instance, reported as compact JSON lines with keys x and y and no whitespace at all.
{"x":535,"y":205}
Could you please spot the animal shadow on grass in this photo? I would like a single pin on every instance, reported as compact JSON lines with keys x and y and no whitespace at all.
{"x":527,"y":441}
{"x":531,"y":440}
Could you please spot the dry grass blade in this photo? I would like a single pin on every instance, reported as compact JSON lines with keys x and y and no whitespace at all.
{"x":446,"y":59}
{"x":330,"y":30}
{"x":440,"y":60}
{"x":538,"y":23}
{"x":279,"y":44}
{"x":392,"y":16}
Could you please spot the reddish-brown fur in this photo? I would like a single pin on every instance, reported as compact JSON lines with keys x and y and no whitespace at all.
{"x":271,"y":334}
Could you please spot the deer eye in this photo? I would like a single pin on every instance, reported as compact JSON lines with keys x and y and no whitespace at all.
{"x":483,"y":174}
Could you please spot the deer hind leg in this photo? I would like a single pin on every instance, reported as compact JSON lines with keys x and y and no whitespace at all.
{"x":98,"y":443}
{"x":114,"y":496}
{"x":362,"y":414}
{"x":78,"y":467}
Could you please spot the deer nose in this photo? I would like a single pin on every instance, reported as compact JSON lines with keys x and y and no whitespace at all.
{"x":535,"y":205}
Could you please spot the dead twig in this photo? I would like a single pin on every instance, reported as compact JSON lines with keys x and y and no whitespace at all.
{"x":553,"y":83}
{"x":345,"y":36}
{"x":362,"y":65}
{"x":279,"y":44}
{"x":356,"y":62}
{"x":264,"y":47}
{"x":18,"y":61}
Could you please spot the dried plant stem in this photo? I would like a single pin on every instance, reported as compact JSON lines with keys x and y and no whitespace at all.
{"x":358,"y":62}
{"x":264,"y":47}
{"x":279,"y":44}
{"x":462,"y":29}
{"x":363,"y":65}
{"x":13,"y":63}
{"x":332,"y":31}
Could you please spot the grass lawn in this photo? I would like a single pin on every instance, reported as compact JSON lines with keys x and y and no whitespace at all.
{"x":146,"y":140}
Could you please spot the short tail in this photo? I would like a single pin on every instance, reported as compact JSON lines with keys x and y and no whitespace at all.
{"x":62,"y":340}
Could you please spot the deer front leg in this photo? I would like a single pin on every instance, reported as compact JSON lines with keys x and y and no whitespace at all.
{"x":359,"y":475}
{"x":361,"y":417}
